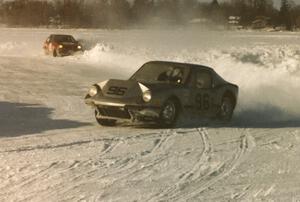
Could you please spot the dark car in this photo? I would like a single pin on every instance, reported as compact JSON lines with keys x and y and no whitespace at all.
{"x":61,"y":45}
{"x":159,"y":91}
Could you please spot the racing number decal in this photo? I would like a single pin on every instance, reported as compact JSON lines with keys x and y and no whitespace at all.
{"x":114,"y":90}
{"x":202,"y":101}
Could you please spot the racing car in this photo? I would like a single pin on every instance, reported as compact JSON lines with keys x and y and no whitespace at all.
{"x":61,"y":45}
{"x":159,"y":91}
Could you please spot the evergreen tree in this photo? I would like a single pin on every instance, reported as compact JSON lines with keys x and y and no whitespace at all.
{"x":119,"y":13}
{"x":215,"y":4}
{"x":141,"y":10}
{"x":98,"y":14}
{"x":216,"y":13}
{"x":285,"y":14}
{"x":188,"y":9}
{"x":169,"y":10}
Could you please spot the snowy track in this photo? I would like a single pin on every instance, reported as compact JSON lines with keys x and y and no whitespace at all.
{"x":51,"y":149}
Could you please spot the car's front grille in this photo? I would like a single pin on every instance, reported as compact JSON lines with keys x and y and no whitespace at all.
{"x":69,"y":48}
{"x":114,"y":112}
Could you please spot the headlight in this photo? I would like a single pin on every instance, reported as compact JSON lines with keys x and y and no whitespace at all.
{"x":78,"y":47}
{"x":93,"y":91}
{"x":60,"y":46}
{"x":147,"y":96}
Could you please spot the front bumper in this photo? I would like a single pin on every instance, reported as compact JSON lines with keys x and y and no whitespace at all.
{"x":67,"y":51}
{"x":113,"y":110}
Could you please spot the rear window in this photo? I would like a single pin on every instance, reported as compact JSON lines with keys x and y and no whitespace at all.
{"x":203,"y":79}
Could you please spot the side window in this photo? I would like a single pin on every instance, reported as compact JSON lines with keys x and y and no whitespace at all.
{"x":203,"y":79}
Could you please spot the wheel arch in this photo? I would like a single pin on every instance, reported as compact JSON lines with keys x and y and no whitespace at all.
{"x":231,"y":95}
{"x":54,"y":53}
{"x":176,"y":100}
{"x":166,"y":122}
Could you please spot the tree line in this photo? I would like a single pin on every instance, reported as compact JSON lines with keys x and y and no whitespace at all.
{"x":122,"y":13}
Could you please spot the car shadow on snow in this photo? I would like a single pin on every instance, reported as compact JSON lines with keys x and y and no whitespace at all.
{"x":18,"y":119}
{"x":266,"y":116}
{"x":262,"y":117}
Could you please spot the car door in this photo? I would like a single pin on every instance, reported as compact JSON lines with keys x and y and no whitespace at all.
{"x":203,"y":95}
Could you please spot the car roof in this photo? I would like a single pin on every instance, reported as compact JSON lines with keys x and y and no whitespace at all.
{"x":65,"y":35}
{"x":60,"y":35}
{"x":194,"y":67}
{"x":190,"y":65}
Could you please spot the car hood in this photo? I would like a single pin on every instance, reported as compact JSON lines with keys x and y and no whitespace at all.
{"x":68,"y":43}
{"x":159,"y":86}
{"x":116,"y":88}
{"x":127,"y":89}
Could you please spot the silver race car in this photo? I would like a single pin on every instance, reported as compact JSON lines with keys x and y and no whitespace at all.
{"x":159,"y":91}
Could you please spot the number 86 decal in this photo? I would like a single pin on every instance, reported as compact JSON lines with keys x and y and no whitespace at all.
{"x":202,"y":101}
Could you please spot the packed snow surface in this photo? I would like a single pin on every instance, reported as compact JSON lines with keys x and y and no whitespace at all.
{"x":51,"y":149}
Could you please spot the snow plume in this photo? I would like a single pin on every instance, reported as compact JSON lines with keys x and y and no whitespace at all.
{"x":13,"y":48}
{"x":268,"y":76}
{"x":269,"y":79}
{"x":105,"y":55}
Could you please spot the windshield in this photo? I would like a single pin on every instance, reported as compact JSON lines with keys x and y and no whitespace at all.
{"x":161,"y":72}
{"x":63,"y":38}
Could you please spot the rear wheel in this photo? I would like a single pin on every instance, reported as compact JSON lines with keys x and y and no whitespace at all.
{"x":226,"y":110}
{"x":168,"y":114}
{"x":105,"y":122}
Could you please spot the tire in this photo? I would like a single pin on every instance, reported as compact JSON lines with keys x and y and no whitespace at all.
{"x":226,"y":109}
{"x":169,"y":113}
{"x":105,"y":122}
{"x":54,"y":53}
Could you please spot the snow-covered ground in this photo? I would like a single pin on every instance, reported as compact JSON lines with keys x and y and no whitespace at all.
{"x":51,"y":149}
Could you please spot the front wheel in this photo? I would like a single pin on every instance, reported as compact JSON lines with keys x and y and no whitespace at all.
{"x":168,"y":114}
{"x":105,"y":122}
{"x":54,"y":53}
{"x":226,"y":110}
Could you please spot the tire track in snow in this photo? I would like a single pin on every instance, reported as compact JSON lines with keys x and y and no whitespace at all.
{"x":29,"y":179}
{"x":247,"y":143}
{"x":255,"y":192}
{"x":190,"y":186}
{"x":90,"y":175}
{"x":203,"y":157}
{"x":77,"y":143}
{"x":47,"y":146}
{"x":158,"y":144}
{"x":137,"y":166}
{"x":128,"y":163}
{"x":59,"y":166}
